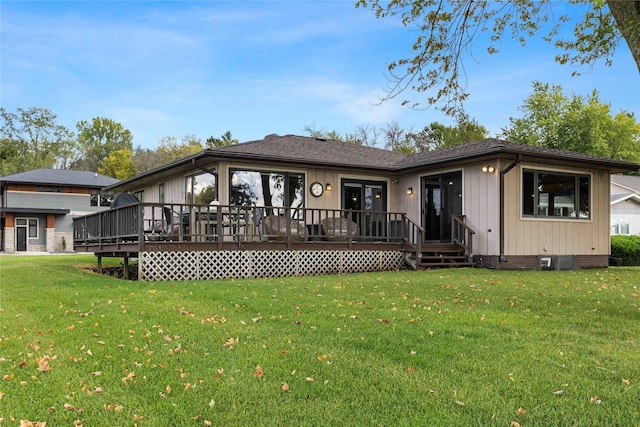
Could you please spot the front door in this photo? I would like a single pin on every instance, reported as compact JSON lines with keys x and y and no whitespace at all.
{"x":442,"y":197}
{"x":21,"y":239}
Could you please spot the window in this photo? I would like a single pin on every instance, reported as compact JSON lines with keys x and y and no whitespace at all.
{"x":262,"y":188}
{"x":33,"y":228}
{"x":161,"y":192}
{"x":139,"y":195}
{"x":201,"y":189}
{"x":620,"y":226}
{"x":555,"y":195}
{"x":101,"y":198}
{"x":31,"y":224}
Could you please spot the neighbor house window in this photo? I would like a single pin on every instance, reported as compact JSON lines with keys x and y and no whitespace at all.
{"x":139,"y":195}
{"x":266,"y":188}
{"x":33,"y":228}
{"x":201,"y":189}
{"x":620,"y":226}
{"x":555,"y":194}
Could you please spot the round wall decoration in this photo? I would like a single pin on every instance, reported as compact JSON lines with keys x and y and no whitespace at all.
{"x":316,"y":189}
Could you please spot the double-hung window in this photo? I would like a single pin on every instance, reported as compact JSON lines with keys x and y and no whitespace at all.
{"x":547,"y":194}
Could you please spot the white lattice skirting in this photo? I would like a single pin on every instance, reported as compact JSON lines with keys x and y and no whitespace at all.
{"x":205,"y":265}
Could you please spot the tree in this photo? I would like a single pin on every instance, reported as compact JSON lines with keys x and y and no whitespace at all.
{"x":224,"y":140}
{"x":447,"y":29}
{"x":169,"y":150}
{"x":583,"y":124}
{"x":98,"y":139}
{"x":354,"y":138}
{"x":436,"y":135}
{"x":118,"y":164}
{"x":397,"y":139}
{"x":31,"y":139}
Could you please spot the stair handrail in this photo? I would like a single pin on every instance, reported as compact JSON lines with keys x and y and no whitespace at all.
{"x":414,"y":236}
{"x":462,"y":234}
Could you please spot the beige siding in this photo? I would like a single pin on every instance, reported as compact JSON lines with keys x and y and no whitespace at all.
{"x":531,"y":236}
{"x":481,"y":204}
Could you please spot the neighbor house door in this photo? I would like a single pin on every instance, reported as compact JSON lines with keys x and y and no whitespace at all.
{"x":442,"y":197}
{"x":21,"y":239}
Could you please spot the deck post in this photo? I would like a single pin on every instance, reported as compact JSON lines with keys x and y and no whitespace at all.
{"x":99,"y":263}
{"x":126,"y":267}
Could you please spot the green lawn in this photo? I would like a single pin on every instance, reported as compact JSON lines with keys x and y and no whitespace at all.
{"x":444,"y":347}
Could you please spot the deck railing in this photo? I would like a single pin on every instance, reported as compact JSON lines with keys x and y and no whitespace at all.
{"x":462,"y":234}
{"x":140,"y":223}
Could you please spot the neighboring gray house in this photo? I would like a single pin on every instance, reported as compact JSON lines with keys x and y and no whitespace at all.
{"x":37,"y":207}
{"x":625,"y":204}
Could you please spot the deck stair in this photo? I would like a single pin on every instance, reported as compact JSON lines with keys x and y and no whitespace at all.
{"x":442,"y":255}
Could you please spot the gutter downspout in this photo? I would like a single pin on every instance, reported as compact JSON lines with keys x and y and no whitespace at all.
{"x":502,"y":174}
{"x":214,"y":173}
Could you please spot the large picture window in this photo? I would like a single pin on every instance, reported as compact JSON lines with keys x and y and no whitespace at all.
{"x":264,"y":188}
{"x":548,"y":194}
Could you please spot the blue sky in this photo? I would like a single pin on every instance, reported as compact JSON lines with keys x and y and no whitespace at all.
{"x":166,"y":68}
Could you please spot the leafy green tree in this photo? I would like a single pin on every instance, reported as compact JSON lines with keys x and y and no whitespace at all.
{"x":583,"y":124}
{"x":436,"y":135}
{"x":98,"y":139}
{"x":118,"y":164}
{"x":169,"y":150}
{"x":448,"y":29}
{"x":224,"y":140}
{"x":30,"y":139}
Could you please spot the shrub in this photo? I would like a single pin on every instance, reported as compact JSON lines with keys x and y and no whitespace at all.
{"x":626,"y":248}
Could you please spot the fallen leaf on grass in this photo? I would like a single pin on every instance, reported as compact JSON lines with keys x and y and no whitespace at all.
{"x":8,"y":377}
{"x":68,"y":407}
{"x":558,"y":392}
{"x":285,"y":387}
{"x":459,"y":403}
{"x":626,"y":381}
{"x":27,"y":423}
{"x":514,"y":424}
{"x":258,"y":372}
{"x":521,"y":411}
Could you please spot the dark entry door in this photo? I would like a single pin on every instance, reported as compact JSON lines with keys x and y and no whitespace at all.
{"x":21,"y":239}
{"x":442,"y":197}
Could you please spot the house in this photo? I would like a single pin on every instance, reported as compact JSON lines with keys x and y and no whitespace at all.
{"x":506,"y":205}
{"x":625,"y":204}
{"x":37,"y":207}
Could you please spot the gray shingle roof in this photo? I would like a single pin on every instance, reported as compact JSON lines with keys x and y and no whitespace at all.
{"x":632,"y":182}
{"x":496,"y":147}
{"x":71,"y":178}
{"x":302,"y":150}
{"x":307,"y":150}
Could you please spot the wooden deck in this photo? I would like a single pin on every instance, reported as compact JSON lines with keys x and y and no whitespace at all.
{"x":182,"y":232}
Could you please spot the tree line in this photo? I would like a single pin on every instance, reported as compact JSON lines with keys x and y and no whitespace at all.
{"x":31,"y":138}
